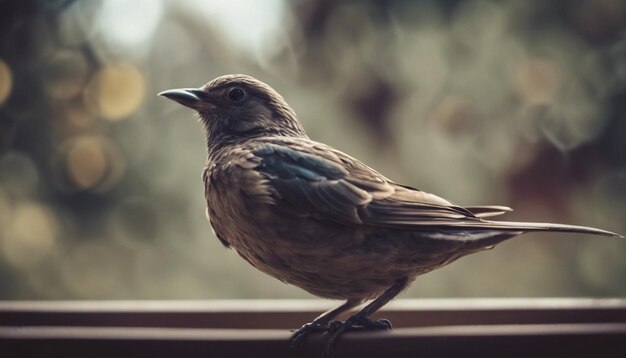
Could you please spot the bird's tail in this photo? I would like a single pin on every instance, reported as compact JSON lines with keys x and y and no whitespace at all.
{"x":529,"y":226}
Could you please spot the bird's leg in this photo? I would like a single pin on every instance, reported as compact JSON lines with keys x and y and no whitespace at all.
{"x":321,"y":322}
{"x":360,"y":319}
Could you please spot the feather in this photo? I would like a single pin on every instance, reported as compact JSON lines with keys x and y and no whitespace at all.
{"x":489,"y":210}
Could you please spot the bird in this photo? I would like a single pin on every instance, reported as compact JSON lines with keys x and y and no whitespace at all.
{"x":319,"y":219}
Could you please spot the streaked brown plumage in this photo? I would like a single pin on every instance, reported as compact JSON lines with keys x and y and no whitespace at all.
{"x":319,"y":219}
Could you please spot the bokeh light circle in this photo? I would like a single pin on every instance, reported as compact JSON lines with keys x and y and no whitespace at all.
{"x":116,"y":91}
{"x":89,"y":163}
{"x":31,"y":236}
{"x":6,"y":81}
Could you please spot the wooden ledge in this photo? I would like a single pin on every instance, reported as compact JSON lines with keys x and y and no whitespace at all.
{"x":256,"y":328}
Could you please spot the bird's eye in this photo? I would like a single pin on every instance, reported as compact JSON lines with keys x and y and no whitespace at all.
{"x":236,"y":94}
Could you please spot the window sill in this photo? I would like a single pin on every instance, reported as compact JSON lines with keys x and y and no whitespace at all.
{"x":244,"y":328}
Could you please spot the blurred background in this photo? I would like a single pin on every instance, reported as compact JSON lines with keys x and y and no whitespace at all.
{"x":519,"y":103}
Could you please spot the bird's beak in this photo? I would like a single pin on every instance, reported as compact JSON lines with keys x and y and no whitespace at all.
{"x":194,"y":98}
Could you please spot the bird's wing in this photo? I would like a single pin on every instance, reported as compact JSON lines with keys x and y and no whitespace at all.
{"x":317,"y":181}
{"x":314,"y":180}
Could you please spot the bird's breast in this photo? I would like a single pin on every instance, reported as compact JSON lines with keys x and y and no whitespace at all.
{"x":324,"y":258}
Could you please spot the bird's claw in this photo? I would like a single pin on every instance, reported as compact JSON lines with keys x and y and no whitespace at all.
{"x":373,"y":325}
{"x":337,"y":328}
{"x":299,"y":335}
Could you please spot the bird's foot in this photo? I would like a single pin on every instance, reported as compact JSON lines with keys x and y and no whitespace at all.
{"x":352,"y":324}
{"x":337,"y":328}
{"x":312,"y":327}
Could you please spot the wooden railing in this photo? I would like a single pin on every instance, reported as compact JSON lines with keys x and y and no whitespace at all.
{"x":261,"y":328}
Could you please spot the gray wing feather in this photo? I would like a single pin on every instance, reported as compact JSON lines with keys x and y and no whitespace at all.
{"x":321,"y":182}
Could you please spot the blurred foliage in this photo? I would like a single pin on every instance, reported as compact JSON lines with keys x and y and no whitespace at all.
{"x":520,"y":103}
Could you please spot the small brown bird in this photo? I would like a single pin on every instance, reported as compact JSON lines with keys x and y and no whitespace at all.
{"x":314,"y":217}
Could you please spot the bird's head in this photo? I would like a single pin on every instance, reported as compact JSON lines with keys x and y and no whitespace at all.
{"x":238,"y":106}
